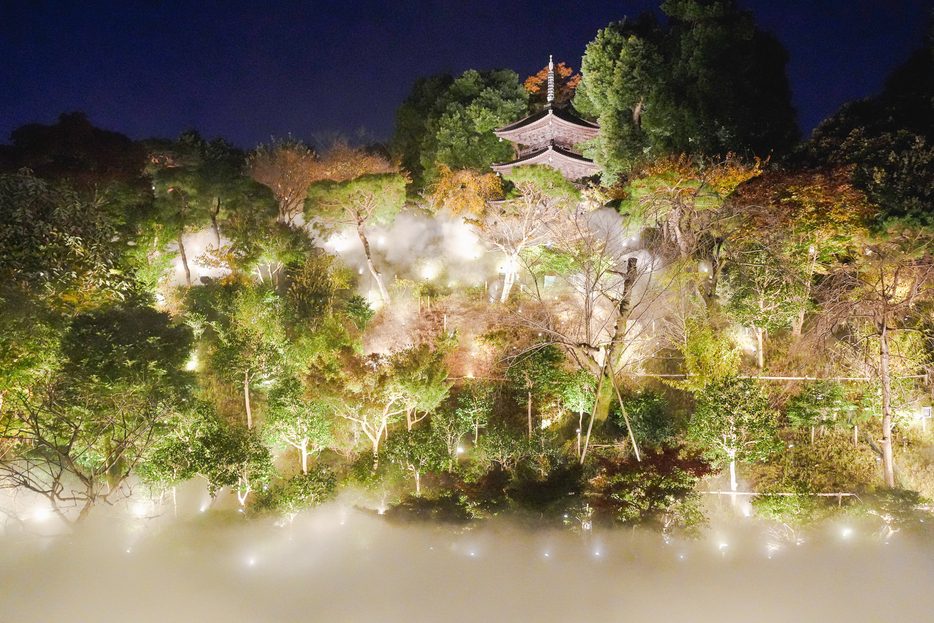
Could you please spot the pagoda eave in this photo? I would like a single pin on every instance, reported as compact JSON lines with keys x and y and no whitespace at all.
{"x":546,"y":125}
{"x":571,"y":165}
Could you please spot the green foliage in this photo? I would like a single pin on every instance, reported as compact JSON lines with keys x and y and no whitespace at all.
{"x":198,"y":183}
{"x":708,"y":356}
{"x":62,"y":249}
{"x":832,"y":463}
{"x":537,"y":373}
{"x":765,"y":293}
{"x":417,"y":451}
{"x":74,"y":432}
{"x":473,"y":412}
{"x":359,"y":310}
{"x":450,"y":121}
{"x":501,"y":446}
{"x":798,"y":510}
{"x":706,"y":82}
{"x":422,"y":376}
{"x":578,"y":391}
{"x":247,"y":339}
{"x":300,"y":492}
{"x":657,"y":492}
{"x":650,"y":417}
{"x":821,"y":403}
{"x":371,"y":198}
{"x":733,"y":422}
{"x":129,"y":344}
{"x":314,"y":284}
{"x":199,"y":443}
{"x":292,"y":419}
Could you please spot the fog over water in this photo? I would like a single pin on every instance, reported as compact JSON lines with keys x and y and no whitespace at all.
{"x":343,"y":564}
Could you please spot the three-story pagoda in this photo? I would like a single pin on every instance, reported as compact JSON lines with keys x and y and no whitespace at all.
{"x":549,"y":137}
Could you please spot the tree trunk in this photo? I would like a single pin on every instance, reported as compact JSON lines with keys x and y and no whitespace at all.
{"x":418,"y":483}
{"x":733,"y":485}
{"x":530,"y":413}
{"x":509,"y":278}
{"x":383,"y":292}
{"x":614,"y":352}
{"x":760,"y":345}
{"x":181,"y":252}
{"x":246,"y":399}
{"x":217,"y":231}
{"x":304,"y":449}
{"x":243,"y":492}
{"x":580,"y":425}
{"x":888,"y":465}
{"x":601,"y":407}
{"x":797,"y":323}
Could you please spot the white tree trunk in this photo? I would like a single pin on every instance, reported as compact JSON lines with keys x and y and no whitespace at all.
{"x":509,"y":278}
{"x":246,"y":399}
{"x":888,"y":464}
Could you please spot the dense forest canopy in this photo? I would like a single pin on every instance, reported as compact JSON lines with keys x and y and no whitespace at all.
{"x":299,"y":319}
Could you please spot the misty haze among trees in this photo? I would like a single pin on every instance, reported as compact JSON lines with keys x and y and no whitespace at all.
{"x":723,"y":308}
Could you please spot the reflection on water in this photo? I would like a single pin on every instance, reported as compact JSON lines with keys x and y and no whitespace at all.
{"x":343,"y":565}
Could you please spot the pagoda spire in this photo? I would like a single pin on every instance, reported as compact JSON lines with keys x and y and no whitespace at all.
{"x":551,"y":80}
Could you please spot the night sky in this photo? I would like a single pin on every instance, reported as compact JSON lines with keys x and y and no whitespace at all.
{"x":251,"y":70}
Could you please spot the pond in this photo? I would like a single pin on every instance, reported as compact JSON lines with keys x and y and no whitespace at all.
{"x":342,"y":564}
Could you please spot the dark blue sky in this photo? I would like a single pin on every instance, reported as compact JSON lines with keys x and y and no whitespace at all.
{"x":249,"y":70}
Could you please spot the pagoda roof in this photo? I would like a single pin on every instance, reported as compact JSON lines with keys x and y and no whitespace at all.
{"x":562,"y":122}
{"x":571,"y":165}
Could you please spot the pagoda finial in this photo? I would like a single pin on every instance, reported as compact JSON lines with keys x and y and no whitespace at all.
{"x":551,"y":80}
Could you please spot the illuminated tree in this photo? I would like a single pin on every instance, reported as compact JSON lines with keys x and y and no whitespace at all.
{"x":684,"y":198}
{"x":292,"y":419}
{"x":246,"y":342}
{"x":658,"y":492}
{"x":288,"y":168}
{"x":416,"y":451}
{"x":288,"y":498}
{"x":517,"y":225}
{"x":806,"y":219}
{"x":60,"y":255}
{"x":598,"y":294}
{"x":475,"y":405}
{"x":578,"y":394}
{"x":370,"y":199}
{"x":202,"y":444}
{"x":536,"y":371}
{"x":707,"y":82}
{"x":765,"y":294}
{"x":464,"y":191}
{"x":423,"y":377}
{"x":733,"y":422}
{"x":565,"y":83}
{"x":363,"y":390}
{"x":450,"y":121}
{"x":879,"y":293}
{"x":75,"y":436}
{"x":196,"y":183}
